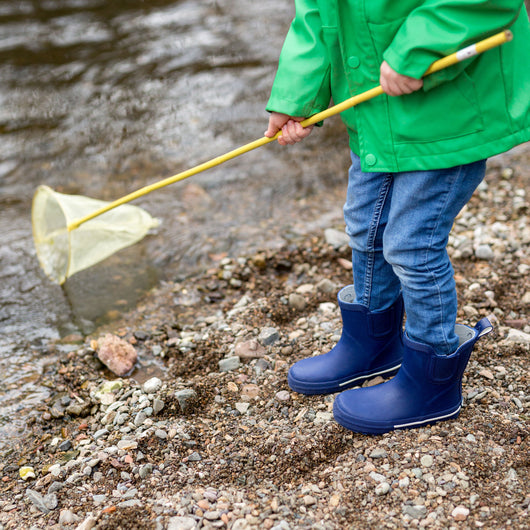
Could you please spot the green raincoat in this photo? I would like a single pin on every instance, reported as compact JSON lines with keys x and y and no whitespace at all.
{"x":470,"y":111}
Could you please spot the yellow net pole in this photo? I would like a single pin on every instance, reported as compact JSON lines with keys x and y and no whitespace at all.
{"x":461,"y":55}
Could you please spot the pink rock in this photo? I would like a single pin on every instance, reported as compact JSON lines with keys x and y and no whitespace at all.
{"x":250,"y":349}
{"x":116,"y":354}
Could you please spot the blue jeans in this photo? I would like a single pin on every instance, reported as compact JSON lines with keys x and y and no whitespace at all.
{"x":399,"y":224}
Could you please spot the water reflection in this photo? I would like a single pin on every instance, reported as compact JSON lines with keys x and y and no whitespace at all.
{"x":100,"y":98}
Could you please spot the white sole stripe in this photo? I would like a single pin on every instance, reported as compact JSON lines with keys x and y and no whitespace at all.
{"x":428,"y":420}
{"x":370,"y":375}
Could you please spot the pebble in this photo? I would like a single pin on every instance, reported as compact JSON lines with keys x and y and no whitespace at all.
{"x":378,"y":452}
{"x":326,"y":286}
{"x":250,"y":349}
{"x":182,"y":523}
{"x":229,"y":363}
{"x":116,"y":354}
{"x":283,"y":395}
{"x":152,"y":385}
{"x":415,"y":511}
{"x":336,"y":238}
{"x":45,"y":503}
{"x":268,"y":336}
{"x":484,"y":252}
{"x":517,"y":336}
{"x":158,"y":405}
{"x":242,"y":407}
{"x":460,"y":513}
{"x":427,"y":461}
{"x":145,"y":470}
{"x":297,"y":301}
{"x":185,"y":397}
{"x":382,"y":488}
{"x":67,"y":517}
{"x":309,"y":500}
{"x":26,"y":472}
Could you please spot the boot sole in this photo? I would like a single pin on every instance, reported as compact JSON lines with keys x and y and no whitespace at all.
{"x":372,"y":427}
{"x":331,"y":387}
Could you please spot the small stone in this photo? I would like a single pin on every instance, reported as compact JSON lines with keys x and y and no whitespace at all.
{"x":336,"y":238}
{"x":100,"y":433}
{"x":309,"y":500}
{"x":242,"y":407}
{"x":250,"y":349}
{"x":116,"y":354}
{"x":327,"y":308}
{"x":283,"y":395}
{"x":127,"y":445}
{"x":65,"y":446}
{"x":185,"y":398}
{"x":377,"y":477}
{"x":378,"y":452}
{"x":145,"y":470}
{"x":382,"y":488}
{"x":212,"y":515}
{"x":416,"y":512}
{"x":229,"y":363}
{"x":152,"y":385}
{"x":484,"y":252}
{"x":326,"y":286}
{"x":26,"y":472}
{"x":139,"y":419}
{"x":427,"y":461}
{"x":45,"y":503}
{"x":297,"y":301}
{"x":160,"y":433}
{"x":517,"y":336}
{"x":99,"y":499}
{"x":79,"y":409}
{"x":158,"y":405}
{"x":268,"y":336}
{"x":88,"y":523}
{"x":250,"y":391}
{"x":487,"y":374}
{"x":194,"y":457}
{"x":67,"y":517}
{"x":460,"y":513}
{"x":182,"y":523}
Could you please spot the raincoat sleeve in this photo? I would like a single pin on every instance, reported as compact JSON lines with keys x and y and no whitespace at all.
{"x":302,"y":83}
{"x":441,"y":27}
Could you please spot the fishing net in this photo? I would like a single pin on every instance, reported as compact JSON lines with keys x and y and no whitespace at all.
{"x":64,"y":249}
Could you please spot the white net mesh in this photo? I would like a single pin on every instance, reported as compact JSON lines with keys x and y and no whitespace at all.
{"x":62,"y":253}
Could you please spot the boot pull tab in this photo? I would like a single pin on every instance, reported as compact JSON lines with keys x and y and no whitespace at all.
{"x":483,"y":327}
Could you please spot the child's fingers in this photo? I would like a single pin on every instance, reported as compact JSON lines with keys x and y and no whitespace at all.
{"x":293,"y":132}
{"x":395,"y":84}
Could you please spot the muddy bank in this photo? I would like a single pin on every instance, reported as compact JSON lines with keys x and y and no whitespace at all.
{"x":219,"y":441}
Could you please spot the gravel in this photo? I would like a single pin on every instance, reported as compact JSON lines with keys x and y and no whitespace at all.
{"x":218,"y":440}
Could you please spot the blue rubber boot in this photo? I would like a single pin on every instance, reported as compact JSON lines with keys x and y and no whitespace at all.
{"x":427,"y":389}
{"x":371,"y":344}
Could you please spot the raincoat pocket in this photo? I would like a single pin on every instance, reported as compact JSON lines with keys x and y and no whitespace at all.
{"x":449,"y":111}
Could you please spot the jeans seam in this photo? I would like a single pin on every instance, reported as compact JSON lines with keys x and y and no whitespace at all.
{"x":427,"y":250}
{"x":372,"y":234}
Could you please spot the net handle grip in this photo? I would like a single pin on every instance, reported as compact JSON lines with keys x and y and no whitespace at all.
{"x":440,"y":64}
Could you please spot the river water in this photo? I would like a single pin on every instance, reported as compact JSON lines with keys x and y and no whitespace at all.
{"x":101,"y":98}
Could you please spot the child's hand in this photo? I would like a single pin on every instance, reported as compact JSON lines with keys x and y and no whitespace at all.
{"x":292,"y":131}
{"x":395,"y":84}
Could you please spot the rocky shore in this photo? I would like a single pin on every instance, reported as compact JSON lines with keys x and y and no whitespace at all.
{"x":217,"y":440}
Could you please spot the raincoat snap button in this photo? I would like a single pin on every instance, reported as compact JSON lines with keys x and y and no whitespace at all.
{"x":353,"y":61}
{"x":370,"y":159}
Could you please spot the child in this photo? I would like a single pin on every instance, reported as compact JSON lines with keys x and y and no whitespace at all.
{"x":418,"y":153}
